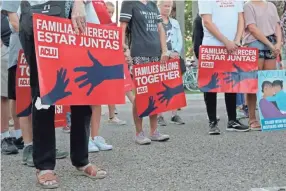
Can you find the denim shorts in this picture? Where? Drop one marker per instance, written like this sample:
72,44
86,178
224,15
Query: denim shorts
264,51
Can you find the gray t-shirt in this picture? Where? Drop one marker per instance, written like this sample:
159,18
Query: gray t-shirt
143,20
168,31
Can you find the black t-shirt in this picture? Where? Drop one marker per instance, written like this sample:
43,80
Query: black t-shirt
168,31
143,20
198,34
5,30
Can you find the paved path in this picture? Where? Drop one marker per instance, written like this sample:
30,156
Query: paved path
191,161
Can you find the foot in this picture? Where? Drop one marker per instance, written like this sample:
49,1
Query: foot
92,147
141,139
8,147
101,144
161,121
47,179
67,129
176,119
19,143
214,130
236,126
159,137
28,156
116,121
61,154
254,125
115,111
91,171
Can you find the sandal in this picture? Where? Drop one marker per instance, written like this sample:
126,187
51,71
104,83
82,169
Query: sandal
91,171
254,125
47,179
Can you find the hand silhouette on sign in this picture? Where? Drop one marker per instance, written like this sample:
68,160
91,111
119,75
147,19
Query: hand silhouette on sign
59,91
169,93
239,75
26,112
213,83
97,73
151,107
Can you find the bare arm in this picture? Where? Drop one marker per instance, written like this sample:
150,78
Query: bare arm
278,34
162,38
259,35
240,28
14,20
123,26
207,21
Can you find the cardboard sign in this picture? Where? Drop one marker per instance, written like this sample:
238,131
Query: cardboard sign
159,87
230,73
86,69
23,94
271,98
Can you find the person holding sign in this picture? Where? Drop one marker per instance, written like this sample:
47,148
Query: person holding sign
262,31
219,31
148,44
174,45
44,151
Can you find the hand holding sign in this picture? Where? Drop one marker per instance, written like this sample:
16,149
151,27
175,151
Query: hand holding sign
213,84
151,107
169,93
97,73
58,92
239,75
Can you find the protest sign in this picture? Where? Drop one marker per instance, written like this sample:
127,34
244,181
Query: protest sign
128,85
23,94
85,69
159,87
230,73
271,98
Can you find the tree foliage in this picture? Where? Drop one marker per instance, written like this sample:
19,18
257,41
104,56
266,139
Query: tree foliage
188,28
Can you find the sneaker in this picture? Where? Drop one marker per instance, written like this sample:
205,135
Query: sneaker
159,137
28,156
66,129
116,121
177,120
19,143
161,121
240,114
61,154
142,140
8,147
236,126
92,147
11,123
101,144
214,130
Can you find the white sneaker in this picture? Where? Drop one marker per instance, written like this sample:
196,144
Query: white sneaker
101,144
116,121
92,147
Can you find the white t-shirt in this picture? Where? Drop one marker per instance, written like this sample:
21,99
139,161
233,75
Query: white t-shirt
224,16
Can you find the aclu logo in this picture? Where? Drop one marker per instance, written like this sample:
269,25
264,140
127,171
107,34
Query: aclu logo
142,90
48,52
207,65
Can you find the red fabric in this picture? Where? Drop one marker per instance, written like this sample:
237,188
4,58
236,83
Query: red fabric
101,11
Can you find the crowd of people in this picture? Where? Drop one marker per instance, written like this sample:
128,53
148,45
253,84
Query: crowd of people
150,34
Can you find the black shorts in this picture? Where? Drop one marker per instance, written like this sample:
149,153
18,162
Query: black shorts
12,82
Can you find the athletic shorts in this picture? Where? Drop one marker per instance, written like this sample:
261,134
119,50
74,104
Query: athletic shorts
4,70
12,82
264,51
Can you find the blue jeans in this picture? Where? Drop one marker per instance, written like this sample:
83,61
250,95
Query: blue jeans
239,99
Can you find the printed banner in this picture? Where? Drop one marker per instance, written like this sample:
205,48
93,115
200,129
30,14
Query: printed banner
128,85
86,69
271,98
159,87
23,94
230,73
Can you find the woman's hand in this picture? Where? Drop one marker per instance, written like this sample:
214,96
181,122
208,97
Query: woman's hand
78,17
128,57
164,57
277,48
174,55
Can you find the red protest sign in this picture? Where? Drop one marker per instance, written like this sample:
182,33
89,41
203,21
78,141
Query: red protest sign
23,94
159,87
128,83
223,72
84,69
23,90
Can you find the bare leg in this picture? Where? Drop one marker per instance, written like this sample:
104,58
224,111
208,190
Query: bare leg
26,127
14,114
153,123
95,120
111,109
137,120
174,112
269,65
130,96
4,114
